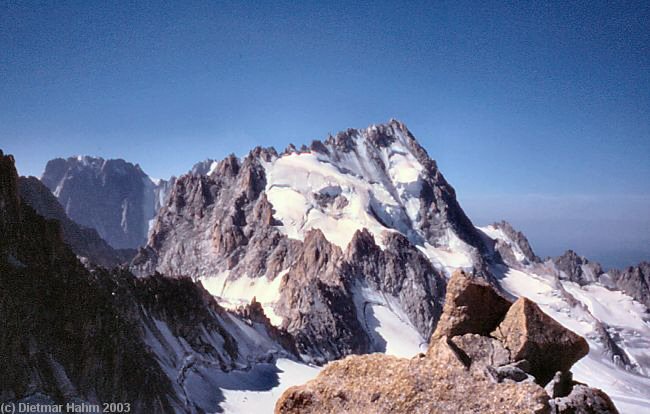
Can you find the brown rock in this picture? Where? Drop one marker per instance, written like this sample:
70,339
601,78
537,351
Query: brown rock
471,306
481,350
584,400
440,383
528,333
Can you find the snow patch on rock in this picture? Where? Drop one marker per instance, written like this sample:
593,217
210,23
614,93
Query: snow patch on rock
232,293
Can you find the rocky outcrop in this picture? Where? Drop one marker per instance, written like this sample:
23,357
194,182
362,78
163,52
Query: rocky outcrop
440,383
577,269
9,201
530,334
205,167
471,306
502,373
634,281
401,271
114,197
513,247
318,305
93,336
519,239
212,224
583,400
85,242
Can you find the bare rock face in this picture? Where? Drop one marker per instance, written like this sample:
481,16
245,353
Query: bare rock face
9,200
482,351
471,306
114,197
634,281
577,268
519,239
399,270
84,241
530,334
318,305
439,383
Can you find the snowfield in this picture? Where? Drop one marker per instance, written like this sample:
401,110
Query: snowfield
581,309
378,188
232,293
240,400
342,192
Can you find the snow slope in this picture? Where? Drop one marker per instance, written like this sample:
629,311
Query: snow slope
387,324
245,401
582,309
241,291
378,188
370,187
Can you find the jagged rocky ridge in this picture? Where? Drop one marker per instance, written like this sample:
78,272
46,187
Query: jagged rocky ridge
331,242
514,249
225,230
475,363
70,334
113,196
341,241
633,280
610,333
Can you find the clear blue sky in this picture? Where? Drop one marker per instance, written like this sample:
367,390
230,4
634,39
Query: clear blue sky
529,109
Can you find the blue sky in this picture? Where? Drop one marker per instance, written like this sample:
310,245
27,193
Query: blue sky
536,113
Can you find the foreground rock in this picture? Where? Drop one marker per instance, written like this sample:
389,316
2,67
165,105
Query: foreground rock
471,306
382,384
466,370
583,400
530,334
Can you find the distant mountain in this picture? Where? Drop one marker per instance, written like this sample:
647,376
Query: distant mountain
114,197
632,280
204,167
154,344
259,270
327,238
85,242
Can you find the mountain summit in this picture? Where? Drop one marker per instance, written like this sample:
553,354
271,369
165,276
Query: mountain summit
347,244
258,271
114,197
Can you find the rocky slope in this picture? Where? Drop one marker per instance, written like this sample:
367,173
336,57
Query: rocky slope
633,280
502,362
84,242
114,197
70,334
330,239
343,247
347,244
579,294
